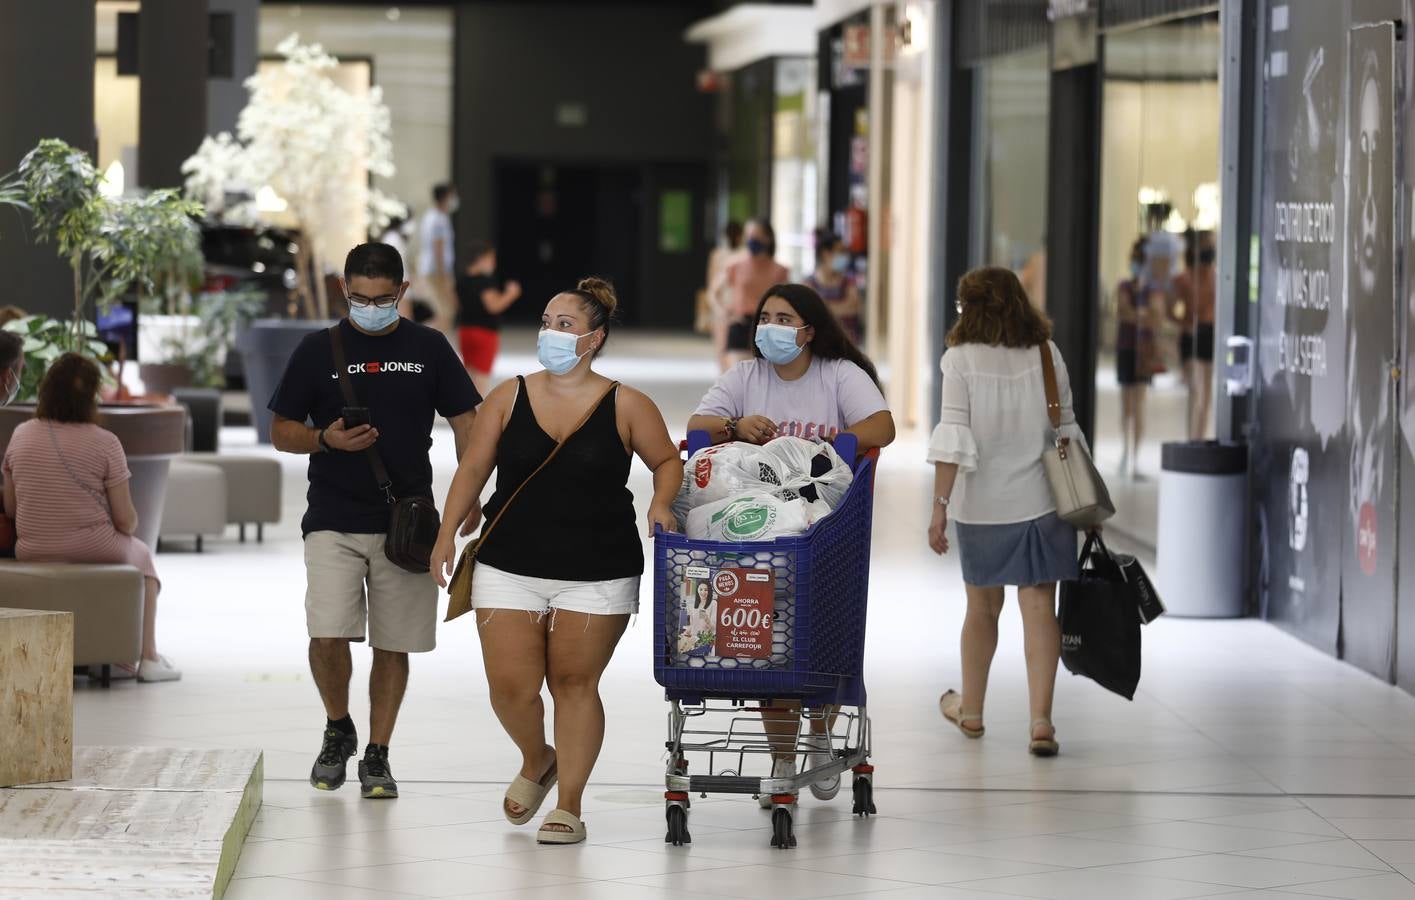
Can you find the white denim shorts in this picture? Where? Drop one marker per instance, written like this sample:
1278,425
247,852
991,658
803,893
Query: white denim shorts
493,588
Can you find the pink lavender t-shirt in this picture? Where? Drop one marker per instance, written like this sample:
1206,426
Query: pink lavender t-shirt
833,395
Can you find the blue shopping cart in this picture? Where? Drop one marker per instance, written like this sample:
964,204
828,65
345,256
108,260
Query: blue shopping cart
734,713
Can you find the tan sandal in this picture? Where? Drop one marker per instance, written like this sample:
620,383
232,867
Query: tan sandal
951,705
576,834
529,795
1044,747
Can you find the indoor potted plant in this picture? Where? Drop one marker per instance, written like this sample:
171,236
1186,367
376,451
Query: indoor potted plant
301,157
113,246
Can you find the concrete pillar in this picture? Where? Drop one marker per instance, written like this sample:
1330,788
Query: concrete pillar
46,90
226,97
172,63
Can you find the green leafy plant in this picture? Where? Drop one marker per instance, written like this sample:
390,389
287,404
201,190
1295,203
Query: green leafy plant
46,340
201,346
12,193
149,245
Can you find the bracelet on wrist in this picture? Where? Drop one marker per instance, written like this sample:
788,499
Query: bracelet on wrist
732,427
323,444
942,501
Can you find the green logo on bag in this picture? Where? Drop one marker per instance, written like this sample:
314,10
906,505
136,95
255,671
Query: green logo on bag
744,520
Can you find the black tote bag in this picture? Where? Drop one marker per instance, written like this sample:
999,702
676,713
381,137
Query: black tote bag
1100,622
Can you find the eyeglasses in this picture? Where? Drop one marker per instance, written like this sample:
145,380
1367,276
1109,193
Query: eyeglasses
360,301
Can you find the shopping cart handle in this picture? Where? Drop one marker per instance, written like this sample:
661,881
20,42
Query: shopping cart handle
697,440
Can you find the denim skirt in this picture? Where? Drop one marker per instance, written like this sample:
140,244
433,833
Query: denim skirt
1019,554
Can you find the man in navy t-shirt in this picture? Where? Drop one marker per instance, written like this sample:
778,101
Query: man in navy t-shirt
404,374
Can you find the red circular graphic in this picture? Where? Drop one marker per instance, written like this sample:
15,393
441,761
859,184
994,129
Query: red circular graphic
1367,539
725,584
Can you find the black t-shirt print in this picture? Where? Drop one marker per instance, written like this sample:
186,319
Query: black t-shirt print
471,311
405,378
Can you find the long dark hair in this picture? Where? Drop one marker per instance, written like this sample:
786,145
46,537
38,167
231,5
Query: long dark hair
830,341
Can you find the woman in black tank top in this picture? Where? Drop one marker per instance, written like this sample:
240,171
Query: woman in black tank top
565,551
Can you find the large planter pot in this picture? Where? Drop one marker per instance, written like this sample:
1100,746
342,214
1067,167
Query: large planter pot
151,436
164,378
265,348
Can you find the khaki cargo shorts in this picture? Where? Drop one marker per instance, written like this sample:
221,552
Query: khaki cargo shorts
399,607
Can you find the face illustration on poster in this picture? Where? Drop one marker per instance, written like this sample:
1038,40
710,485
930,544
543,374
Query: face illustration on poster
1370,206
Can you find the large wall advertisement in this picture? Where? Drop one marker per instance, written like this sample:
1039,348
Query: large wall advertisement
1324,455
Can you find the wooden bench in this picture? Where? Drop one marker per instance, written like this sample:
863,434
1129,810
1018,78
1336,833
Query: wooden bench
36,696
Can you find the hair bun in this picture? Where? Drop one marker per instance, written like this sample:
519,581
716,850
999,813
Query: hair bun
602,291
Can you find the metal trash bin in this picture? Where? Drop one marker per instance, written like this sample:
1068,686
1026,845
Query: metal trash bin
1201,543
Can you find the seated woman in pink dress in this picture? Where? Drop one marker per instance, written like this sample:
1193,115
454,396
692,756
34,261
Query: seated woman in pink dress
66,487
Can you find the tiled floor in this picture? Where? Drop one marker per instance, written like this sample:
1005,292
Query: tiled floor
1249,765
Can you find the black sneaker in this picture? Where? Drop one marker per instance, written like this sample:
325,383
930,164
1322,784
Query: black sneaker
376,775
330,769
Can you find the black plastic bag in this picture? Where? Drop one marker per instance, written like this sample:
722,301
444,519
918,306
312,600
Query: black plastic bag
1100,622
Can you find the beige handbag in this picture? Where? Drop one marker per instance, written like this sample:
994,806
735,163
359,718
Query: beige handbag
1082,500
459,589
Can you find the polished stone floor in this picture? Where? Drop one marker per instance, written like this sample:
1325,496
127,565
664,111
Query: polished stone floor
1249,765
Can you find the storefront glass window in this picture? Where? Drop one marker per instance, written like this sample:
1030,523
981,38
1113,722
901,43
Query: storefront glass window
1010,166
1158,257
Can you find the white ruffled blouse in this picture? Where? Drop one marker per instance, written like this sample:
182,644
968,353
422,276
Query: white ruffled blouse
994,425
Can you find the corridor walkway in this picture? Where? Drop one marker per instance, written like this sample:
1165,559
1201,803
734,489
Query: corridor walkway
1249,765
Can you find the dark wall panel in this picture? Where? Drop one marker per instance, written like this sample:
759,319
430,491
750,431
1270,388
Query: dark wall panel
521,66
46,90
172,63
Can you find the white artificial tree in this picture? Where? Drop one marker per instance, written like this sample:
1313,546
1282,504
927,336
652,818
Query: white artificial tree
313,144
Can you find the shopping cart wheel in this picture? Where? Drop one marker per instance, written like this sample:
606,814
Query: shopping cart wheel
677,826
863,795
782,837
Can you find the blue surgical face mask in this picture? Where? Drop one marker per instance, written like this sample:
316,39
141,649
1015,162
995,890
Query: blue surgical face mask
756,247
840,263
556,350
373,318
778,343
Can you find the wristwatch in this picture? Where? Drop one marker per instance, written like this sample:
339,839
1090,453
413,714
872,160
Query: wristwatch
942,501
323,444
732,427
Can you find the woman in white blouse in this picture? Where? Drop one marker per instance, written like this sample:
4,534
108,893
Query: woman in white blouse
988,477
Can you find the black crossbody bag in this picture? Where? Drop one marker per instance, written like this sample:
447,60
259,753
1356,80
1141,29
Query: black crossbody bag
413,522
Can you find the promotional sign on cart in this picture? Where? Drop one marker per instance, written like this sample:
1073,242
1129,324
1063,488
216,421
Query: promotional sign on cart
744,612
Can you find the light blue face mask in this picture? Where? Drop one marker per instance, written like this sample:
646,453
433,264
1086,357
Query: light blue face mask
778,343
840,263
556,350
373,318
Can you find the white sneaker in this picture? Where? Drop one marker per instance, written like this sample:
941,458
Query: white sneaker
160,669
781,768
826,788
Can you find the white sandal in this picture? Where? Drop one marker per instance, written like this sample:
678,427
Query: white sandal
529,795
576,834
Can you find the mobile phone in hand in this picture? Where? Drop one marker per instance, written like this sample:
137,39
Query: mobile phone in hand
354,416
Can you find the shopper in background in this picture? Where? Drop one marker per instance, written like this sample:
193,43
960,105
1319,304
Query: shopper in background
66,488
396,235
482,298
437,253
987,456
1135,355
1196,290
716,301
835,284
403,375
745,280
558,578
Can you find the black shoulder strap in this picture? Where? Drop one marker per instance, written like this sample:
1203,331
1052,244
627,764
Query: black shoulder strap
346,385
